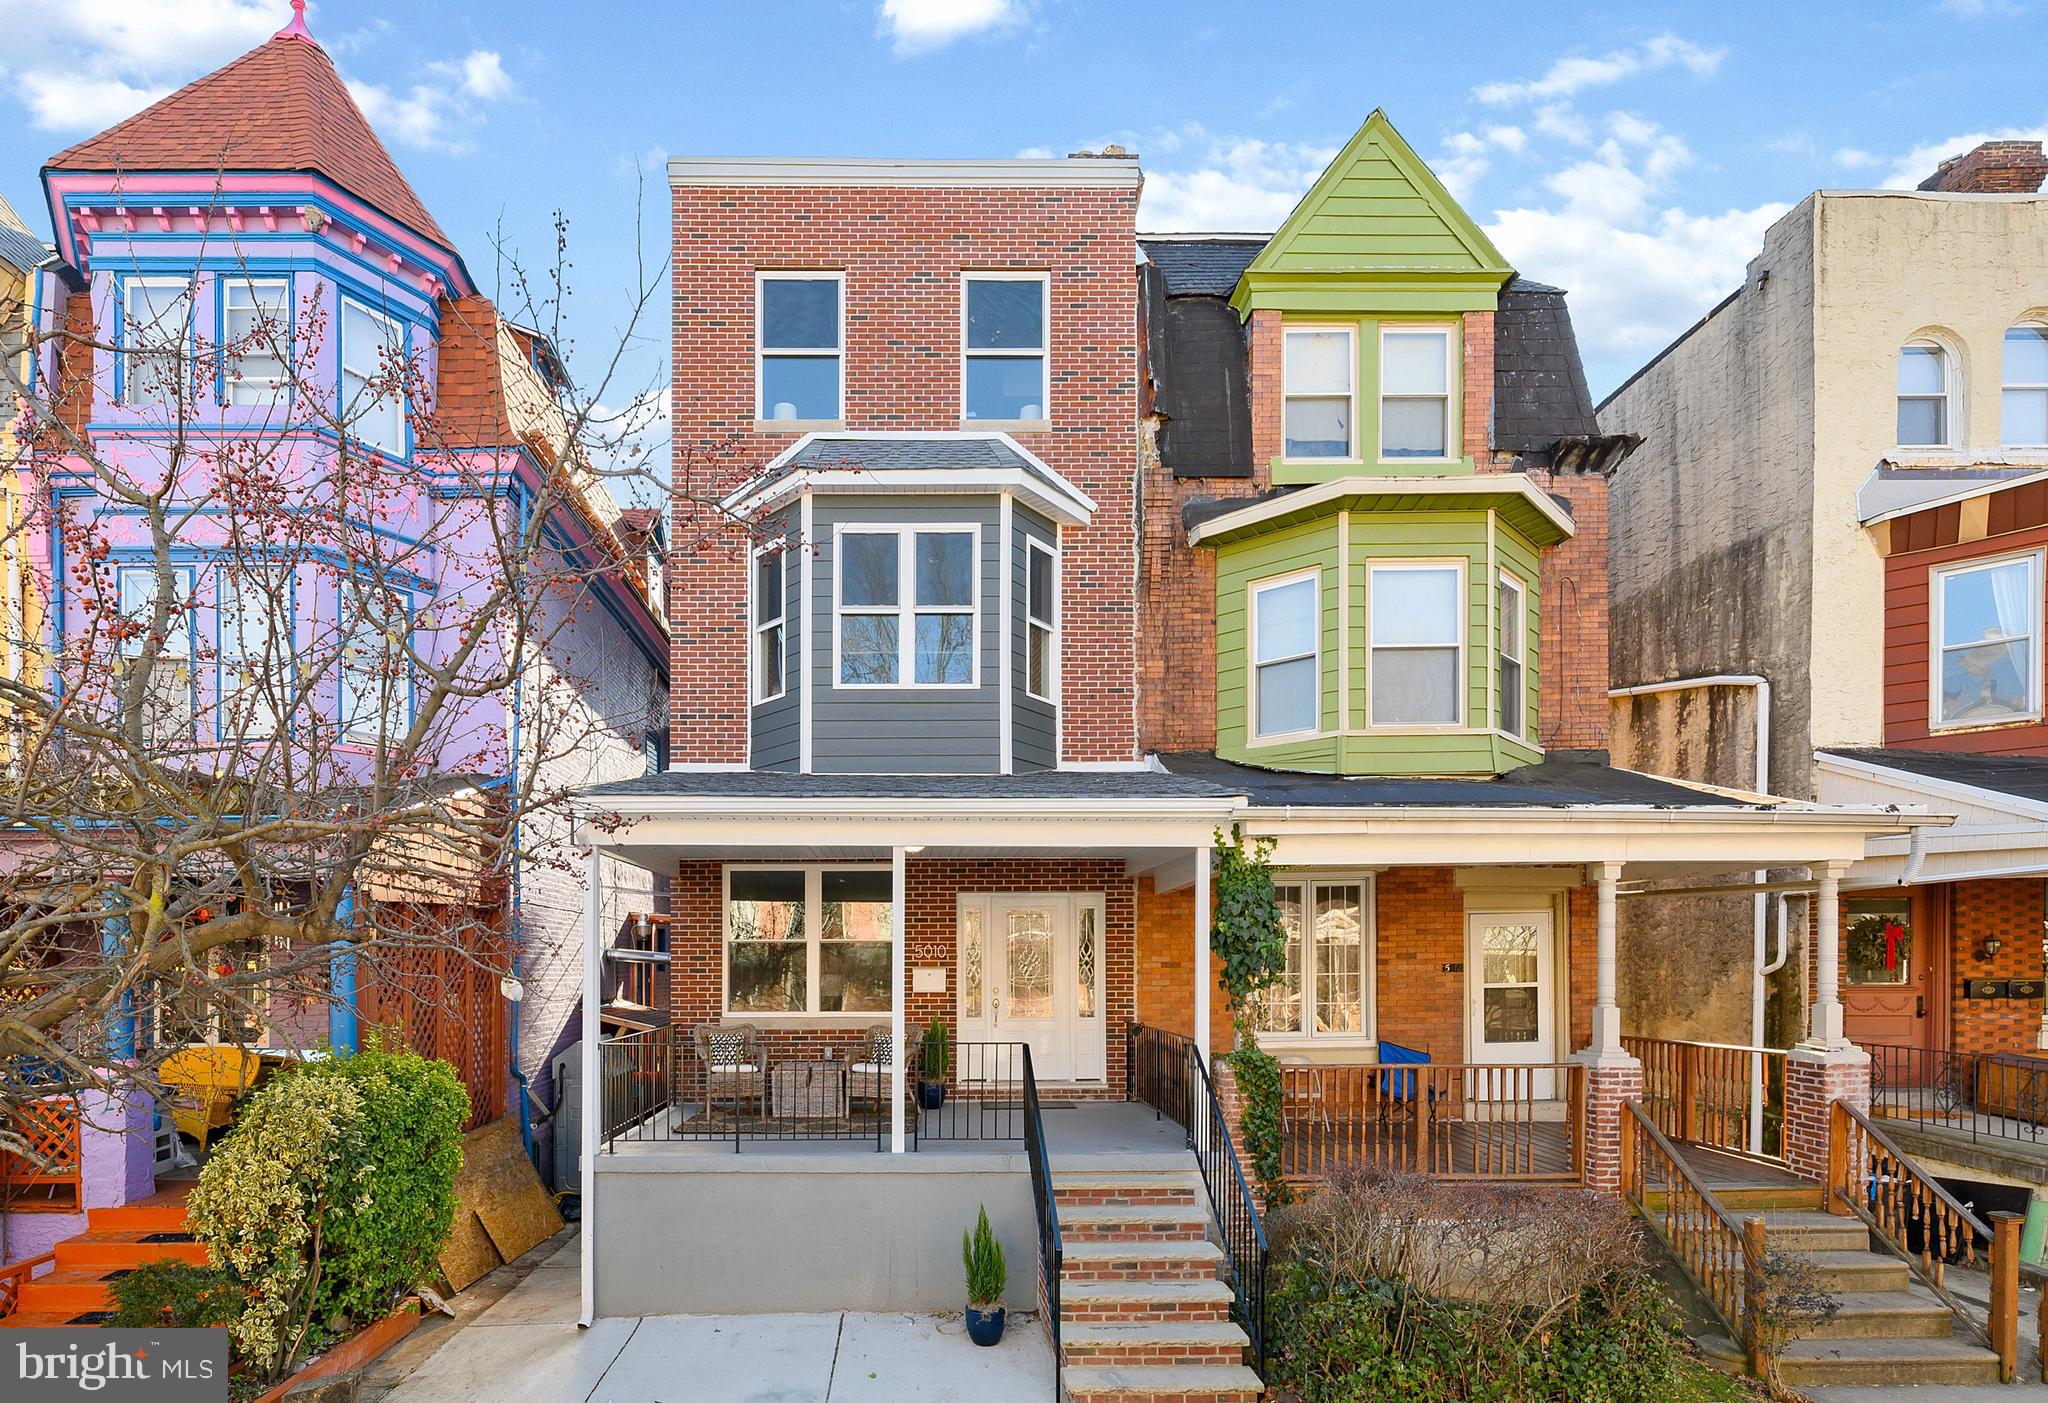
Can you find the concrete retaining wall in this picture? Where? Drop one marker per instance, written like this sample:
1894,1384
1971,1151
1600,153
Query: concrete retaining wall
762,1232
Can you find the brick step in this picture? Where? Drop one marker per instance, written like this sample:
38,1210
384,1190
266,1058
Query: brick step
1110,1190
1887,1315
1142,1302
1818,1363
127,1247
1155,1342
1150,1222
1152,1383
1804,1231
1860,1271
1128,1261
69,1289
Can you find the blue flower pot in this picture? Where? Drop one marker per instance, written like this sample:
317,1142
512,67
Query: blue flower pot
931,1094
984,1327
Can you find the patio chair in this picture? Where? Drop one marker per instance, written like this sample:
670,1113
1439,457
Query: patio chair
1399,1085
204,1082
734,1068
1303,1096
867,1077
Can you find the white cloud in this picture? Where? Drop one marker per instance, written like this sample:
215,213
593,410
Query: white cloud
484,76
1238,184
1560,121
1572,75
84,67
1465,158
1854,158
920,26
439,113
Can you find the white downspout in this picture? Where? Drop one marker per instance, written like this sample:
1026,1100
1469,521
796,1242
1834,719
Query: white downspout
593,1100
1760,908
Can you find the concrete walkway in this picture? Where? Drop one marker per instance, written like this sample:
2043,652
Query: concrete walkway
527,1346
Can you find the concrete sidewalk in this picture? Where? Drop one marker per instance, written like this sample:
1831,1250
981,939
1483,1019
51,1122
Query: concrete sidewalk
527,1348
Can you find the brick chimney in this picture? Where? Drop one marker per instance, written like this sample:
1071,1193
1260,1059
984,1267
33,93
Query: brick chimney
1994,168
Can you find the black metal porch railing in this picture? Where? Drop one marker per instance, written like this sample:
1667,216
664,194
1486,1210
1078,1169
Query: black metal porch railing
636,1086
1051,1255
1166,1072
984,1097
2000,1096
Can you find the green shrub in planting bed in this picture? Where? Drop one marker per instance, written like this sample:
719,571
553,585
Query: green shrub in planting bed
1397,1286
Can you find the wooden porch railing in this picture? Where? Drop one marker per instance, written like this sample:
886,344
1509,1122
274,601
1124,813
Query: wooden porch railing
1451,1120
1870,1177
43,1178
1718,1094
1723,1256
15,1274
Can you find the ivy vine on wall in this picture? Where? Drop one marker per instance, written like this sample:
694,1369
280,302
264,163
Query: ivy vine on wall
1247,938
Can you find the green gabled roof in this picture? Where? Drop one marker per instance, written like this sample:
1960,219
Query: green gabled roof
1376,216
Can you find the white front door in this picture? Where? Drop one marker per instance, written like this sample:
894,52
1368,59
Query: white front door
1511,987
1031,972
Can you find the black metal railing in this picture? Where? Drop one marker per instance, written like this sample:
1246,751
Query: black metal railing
635,1077
983,1096
1167,1072
1986,1095
1051,1255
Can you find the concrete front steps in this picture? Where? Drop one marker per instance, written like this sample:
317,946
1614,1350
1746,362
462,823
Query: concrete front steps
1888,1328
1144,1306
115,1241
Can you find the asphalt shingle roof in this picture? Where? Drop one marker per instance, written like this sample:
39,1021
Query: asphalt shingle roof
1033,784
1202,267
2021,776
933,453
1563,779
21,249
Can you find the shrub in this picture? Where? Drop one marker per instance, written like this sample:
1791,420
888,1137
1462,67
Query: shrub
983,1257
331,1196
172,1294
1398,1286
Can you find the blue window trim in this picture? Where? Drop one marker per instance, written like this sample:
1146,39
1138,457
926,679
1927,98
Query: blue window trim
193,281
291,588
407,597
220,330
405,329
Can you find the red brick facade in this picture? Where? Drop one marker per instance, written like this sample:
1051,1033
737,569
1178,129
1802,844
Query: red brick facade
902,251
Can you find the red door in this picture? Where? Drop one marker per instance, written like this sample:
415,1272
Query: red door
1887,957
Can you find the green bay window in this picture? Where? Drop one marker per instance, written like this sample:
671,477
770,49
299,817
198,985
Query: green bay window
808,940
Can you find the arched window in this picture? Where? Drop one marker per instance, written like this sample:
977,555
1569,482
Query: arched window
1924,376
2025,419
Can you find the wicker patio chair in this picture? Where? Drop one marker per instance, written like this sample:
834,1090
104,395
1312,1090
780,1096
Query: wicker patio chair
867,1077
734,1067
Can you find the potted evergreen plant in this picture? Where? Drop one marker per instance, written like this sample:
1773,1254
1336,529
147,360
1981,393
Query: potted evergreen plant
934,1065
986,1278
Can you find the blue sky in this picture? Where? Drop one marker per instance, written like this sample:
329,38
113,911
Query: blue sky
1633,153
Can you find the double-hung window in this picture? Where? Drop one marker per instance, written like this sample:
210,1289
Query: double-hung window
1005,368
808,940
799,331
1286,663
1512,680
1322,992
1415,392
2025,418
256,327
376,664
769,618
373,367
255,663
1317,384
1924,374
167,691
1041,620
1988,642
907,605
1418,644
156,340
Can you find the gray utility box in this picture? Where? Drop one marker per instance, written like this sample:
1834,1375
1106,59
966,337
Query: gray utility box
568,1067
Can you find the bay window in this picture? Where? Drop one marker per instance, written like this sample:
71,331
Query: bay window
167,692
256,327
808,940
375,672
769,624
1323,992
156,340
255,659
1317,387
1417,644
907,605
1512,679
373,365
1041,588
1987,632
1286,661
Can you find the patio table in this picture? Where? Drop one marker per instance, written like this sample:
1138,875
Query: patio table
808,1090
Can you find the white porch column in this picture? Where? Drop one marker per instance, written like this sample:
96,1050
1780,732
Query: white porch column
901,910
1606,1044
1824,1020
1202,980
593,1099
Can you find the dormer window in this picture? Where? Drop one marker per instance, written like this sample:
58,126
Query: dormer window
1415,392
1320,410
372,386
907,606
1924,375
800,325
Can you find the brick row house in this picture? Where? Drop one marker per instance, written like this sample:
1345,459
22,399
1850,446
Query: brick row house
1016,556
1849,456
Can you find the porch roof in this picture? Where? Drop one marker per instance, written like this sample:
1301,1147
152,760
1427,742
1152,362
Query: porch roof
1999,805
1563,779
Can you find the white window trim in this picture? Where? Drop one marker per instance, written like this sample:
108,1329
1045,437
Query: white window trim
1349,331
1372,646
1510,581
1368,938
1051,627
1950,396
399,334
181,290
2005,385
1452,439
226,661
187,583
1937,596
280,384
354,616
814,941
762,352
1043,352
759,626
1253,662
906,608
